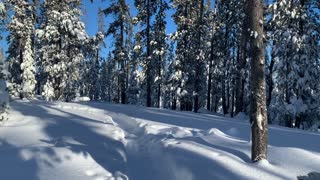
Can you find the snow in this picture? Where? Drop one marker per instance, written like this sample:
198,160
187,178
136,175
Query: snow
88,140
82,99
2,8
4,100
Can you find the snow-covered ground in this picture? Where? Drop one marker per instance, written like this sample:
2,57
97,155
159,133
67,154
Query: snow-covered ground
99,141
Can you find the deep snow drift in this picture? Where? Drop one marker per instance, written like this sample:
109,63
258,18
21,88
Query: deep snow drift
104,141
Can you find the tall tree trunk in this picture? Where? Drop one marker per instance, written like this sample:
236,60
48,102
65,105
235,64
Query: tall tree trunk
122,73
160,64
21,49
242,63
298,118
232,102
224,75
270,80
198,61
210,76
258,114
228,91
159,83
148,72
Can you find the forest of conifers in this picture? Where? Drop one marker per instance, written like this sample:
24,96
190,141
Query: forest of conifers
205,64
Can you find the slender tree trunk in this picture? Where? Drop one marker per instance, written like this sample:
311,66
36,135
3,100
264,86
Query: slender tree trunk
232,102
258,114
198,61
210,77
216,104
148,72
299,117
224,75
21,49
241,63
159,83
174,102
160,64
122,69
270,81
228,92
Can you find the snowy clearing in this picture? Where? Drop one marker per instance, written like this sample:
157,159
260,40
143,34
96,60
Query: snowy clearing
103,141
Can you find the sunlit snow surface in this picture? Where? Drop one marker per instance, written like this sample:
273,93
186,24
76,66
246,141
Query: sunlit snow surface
98,141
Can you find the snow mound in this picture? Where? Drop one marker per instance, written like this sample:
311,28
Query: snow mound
233,131
82,99
204,111
176,132
242,116
214,131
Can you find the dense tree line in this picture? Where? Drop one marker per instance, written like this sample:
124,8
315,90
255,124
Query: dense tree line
229,57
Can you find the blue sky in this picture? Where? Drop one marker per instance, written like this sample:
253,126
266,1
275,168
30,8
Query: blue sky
92,11
90,18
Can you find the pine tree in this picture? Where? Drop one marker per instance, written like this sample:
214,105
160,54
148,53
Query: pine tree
146,9
241,64
21,58
104,83
294,38
62,38
119,29
159,47
171,80
227,41
212,27
134,91
4,96
258,114
185,17
90,68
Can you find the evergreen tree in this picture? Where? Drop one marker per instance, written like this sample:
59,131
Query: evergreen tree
295,36
20,52
4,96
134,91
90,68
185,17
146,9
62,38
103,81
159,47
242,61
119,29
230,21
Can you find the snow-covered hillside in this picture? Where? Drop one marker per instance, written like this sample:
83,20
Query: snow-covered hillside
103,141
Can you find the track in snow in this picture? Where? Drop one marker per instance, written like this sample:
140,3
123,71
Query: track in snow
103,141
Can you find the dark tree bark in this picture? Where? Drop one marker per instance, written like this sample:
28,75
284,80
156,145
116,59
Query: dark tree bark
21,61
270,80
122,76
160,64
210,77
198,61
240,79
148,71
159,83
224,73
299,117
258,114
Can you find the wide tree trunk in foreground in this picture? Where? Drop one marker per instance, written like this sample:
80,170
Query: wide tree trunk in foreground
258,114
